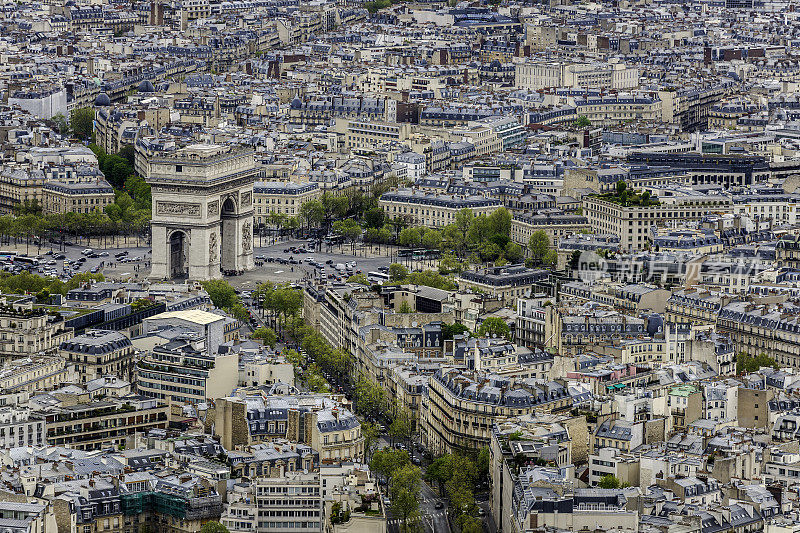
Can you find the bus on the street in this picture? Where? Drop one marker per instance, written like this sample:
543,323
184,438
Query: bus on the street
377,277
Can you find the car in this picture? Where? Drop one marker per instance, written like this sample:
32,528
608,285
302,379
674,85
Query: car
387,502
95,270
286,250
103,254
329,262
86,251
439,505
59,257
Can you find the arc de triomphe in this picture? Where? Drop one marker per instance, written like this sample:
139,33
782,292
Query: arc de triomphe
202,220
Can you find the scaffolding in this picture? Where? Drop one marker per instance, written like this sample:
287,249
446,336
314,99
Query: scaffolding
167,504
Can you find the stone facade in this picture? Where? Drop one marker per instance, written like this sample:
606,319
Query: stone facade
202,212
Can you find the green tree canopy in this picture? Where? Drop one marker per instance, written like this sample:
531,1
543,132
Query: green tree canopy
451,330
374,218
609,481
397,272
221,293
212,526
405,486
746,363
81,122
494,327
267,335
539,245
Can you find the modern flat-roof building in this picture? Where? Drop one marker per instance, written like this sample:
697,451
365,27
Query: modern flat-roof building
181,372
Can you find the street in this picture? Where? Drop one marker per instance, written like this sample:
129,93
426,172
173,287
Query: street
135,266
434,520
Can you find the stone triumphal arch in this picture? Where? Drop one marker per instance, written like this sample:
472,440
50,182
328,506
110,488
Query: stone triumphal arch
202,221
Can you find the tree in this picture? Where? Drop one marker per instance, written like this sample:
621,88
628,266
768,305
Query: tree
470,524
374,218
405,308
28,207
79,279
440,471
490,251
432,239
405,494
386,461
349,229
238,311
128,153
482,463
313,212
212,526
401,427
451,330
221,293
539,244
449,263
267,335
550,259
397,272
459,487
431,278
370,433
746,364
609,481
499,223
60,123
513,252
81,122
314,380
361,279
494,327
369,398
409,237
583,122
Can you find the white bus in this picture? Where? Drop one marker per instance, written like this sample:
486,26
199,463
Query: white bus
377,277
